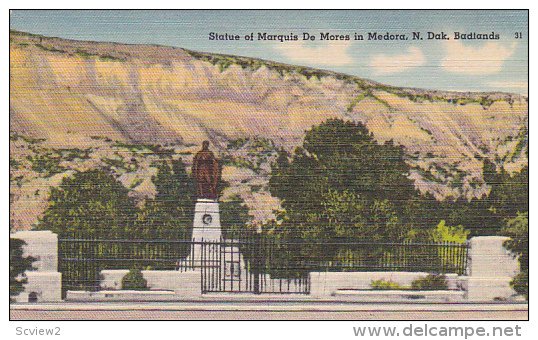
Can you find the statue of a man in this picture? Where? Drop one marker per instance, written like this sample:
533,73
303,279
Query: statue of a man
206,172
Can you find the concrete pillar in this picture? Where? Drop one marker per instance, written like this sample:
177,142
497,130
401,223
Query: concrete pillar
45,282
491,267
206,225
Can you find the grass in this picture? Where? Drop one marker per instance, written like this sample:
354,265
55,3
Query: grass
136,183
224,61
50,49
237,143
256,188
355,101
119,164
15,137
14,164
381,101
72,154
146,148
239,162
104,57
523,141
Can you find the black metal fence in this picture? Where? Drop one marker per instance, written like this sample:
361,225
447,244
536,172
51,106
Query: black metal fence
227,267
81,259
296,257
253,263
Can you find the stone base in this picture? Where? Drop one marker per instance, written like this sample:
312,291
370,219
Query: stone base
206,225
326,284
488,289
111,278
43,286
394,296
121,295
182,283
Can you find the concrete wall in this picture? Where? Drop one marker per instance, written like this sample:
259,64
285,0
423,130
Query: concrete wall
325,284
182,283
111,278
491,267
45,281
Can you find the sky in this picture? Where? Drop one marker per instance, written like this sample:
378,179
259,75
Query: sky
458,65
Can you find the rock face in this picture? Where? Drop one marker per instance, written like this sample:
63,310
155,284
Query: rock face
73,93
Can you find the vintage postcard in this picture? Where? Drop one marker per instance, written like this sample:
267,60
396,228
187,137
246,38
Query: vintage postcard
269,165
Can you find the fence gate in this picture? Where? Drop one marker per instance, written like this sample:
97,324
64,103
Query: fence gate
229,266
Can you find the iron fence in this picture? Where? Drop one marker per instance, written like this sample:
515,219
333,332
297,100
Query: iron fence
81,259
227,268
295,257
251,263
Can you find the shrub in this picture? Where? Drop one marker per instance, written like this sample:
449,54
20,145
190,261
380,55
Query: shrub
444,233
518,231
385,285
134,281
430,282
18,264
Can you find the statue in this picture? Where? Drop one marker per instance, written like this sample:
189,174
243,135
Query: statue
206,172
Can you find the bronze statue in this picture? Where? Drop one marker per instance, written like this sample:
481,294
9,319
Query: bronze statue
206,172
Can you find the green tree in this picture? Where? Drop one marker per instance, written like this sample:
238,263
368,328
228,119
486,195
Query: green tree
92,203
170,213
18,265
518,230
509,193
343,184
235,217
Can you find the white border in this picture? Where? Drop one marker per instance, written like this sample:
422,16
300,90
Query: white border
229,330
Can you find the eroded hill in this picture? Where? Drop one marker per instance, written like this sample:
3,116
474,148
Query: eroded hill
97,98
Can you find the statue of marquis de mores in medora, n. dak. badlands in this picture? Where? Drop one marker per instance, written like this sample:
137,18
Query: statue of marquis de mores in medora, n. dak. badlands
206,173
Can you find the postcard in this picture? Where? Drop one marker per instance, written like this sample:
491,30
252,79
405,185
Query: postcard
269,165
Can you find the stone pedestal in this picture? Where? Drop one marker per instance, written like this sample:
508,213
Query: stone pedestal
491,267
45,282
206,228
206,225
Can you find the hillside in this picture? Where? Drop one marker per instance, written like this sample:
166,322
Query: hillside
114,104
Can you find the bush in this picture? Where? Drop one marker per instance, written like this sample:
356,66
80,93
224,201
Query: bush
444,233
520,283
518,231
385,285
430,282
18,264
134,280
